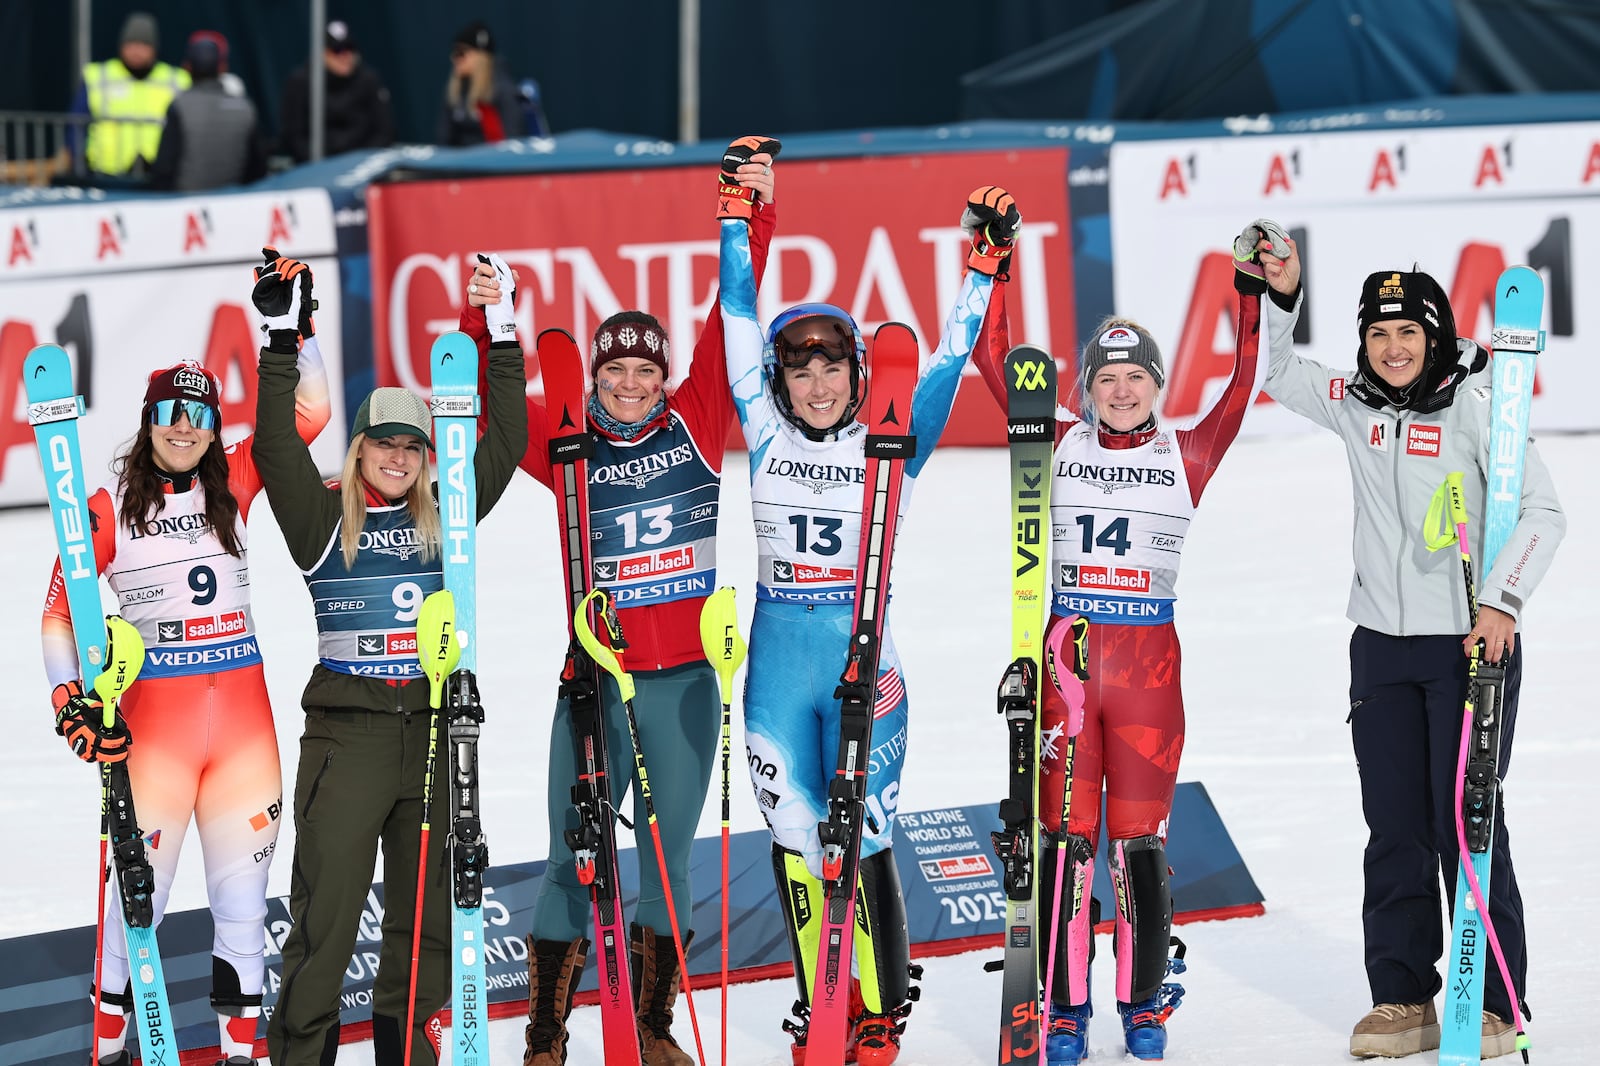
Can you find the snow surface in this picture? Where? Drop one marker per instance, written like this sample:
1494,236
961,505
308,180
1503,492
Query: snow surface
1262,619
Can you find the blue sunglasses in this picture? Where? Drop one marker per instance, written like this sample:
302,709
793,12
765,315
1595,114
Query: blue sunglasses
166,412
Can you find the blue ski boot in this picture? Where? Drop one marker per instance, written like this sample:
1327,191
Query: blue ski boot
1144,1024
1068,1039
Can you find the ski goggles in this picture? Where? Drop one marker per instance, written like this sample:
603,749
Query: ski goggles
201,415
805,339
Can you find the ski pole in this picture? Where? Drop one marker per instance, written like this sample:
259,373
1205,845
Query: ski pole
1449,503
439,649
725,650
124,660
1069,684
607,659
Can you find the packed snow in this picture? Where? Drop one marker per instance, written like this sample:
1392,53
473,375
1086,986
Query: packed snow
1262,619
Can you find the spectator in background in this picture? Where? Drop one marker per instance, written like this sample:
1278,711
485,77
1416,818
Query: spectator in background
211,138
481,105
356,112
126,99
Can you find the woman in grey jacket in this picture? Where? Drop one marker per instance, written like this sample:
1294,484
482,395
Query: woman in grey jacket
1416,407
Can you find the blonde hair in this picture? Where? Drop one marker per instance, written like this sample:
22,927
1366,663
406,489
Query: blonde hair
1086,409
480,88
419,501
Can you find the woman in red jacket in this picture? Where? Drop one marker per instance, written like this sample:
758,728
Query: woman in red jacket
678,436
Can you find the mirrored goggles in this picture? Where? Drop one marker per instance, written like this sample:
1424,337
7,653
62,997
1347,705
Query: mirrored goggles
166,412
805,339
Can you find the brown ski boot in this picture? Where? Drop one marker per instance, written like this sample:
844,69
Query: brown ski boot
655,984
554,969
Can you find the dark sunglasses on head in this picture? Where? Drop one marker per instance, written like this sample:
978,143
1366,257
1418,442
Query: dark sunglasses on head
166,412
805,339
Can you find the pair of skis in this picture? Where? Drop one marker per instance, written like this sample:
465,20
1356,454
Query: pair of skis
1030,380
1517,342
108,666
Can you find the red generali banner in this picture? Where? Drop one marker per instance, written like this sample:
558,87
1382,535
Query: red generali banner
880,237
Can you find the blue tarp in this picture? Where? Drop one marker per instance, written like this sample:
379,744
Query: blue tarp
950,877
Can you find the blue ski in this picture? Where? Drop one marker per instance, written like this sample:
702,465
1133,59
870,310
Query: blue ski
1517,342
455,408
53,410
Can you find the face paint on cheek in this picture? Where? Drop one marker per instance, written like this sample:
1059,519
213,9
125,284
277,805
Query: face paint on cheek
609,386
655,388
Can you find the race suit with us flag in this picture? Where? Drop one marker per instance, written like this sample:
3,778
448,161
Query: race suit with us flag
806,503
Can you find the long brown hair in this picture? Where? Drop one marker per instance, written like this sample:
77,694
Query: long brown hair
144,494
353,499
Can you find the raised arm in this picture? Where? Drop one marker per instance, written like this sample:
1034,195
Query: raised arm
505,437
703,400
991,220
305,509
742,172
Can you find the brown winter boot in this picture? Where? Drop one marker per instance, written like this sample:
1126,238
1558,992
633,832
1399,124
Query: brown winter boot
554,969
655,989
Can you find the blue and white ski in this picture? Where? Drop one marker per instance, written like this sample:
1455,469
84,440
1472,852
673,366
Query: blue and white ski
455,407
1517,342
53,410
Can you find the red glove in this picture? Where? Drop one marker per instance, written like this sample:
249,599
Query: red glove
80,718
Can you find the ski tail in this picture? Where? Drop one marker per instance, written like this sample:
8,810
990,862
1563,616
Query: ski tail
894,359
54,407
1517,341
593,840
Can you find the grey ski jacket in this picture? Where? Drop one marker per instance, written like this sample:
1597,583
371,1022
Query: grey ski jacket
1397,459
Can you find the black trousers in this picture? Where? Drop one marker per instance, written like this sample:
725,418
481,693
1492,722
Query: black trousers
1406,698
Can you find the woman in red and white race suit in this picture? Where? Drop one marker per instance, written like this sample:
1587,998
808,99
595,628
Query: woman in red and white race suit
1124,488
196,727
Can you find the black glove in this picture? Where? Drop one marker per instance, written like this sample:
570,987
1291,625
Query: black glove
735,200
991,208
1249,277
991,219
80,718
283,296
740,151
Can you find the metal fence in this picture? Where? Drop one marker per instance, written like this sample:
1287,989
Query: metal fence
46,147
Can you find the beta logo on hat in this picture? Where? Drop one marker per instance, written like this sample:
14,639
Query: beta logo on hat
393,412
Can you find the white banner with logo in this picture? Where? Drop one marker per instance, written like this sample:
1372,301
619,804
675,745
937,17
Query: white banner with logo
128,286
1460,203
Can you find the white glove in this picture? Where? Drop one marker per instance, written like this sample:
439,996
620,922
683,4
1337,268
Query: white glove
502,315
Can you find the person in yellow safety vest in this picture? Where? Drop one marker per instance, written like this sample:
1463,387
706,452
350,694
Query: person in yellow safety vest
128,98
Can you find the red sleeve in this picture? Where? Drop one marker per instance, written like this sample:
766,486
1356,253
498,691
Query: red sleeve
1203,445
705,401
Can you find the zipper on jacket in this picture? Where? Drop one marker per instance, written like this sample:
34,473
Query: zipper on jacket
1400,555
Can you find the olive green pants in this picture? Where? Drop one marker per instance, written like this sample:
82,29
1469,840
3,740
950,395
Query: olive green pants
359,782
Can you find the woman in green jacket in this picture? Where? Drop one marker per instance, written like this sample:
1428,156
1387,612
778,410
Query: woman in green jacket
368,547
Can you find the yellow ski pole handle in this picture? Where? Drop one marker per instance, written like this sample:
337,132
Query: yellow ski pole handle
124,660
1447,514
719,636
602,656
438,646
